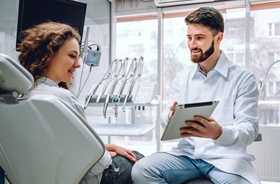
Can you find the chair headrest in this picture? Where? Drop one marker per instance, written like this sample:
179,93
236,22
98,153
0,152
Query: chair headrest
13,76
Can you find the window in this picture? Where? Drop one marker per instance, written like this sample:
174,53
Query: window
277,29
274,29
234,28
135,39
237,57
263,46
263,55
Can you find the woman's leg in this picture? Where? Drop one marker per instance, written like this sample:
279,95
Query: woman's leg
119,172
162,168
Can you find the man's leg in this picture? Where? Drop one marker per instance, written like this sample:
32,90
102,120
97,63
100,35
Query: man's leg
221,177
162,168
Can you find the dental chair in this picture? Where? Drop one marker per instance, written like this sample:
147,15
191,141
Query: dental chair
42,139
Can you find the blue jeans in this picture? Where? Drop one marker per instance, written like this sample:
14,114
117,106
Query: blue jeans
165,168
119,172
2,177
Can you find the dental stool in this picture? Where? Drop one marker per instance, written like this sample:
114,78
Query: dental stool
42,139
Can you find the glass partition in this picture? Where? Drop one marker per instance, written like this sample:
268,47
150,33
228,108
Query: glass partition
265,59
134,39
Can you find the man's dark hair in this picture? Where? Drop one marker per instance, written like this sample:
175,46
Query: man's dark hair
209,17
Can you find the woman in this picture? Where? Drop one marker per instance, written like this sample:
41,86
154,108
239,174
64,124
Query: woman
50,52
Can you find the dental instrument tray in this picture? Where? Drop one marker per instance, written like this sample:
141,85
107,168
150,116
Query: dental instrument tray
122,86
187,112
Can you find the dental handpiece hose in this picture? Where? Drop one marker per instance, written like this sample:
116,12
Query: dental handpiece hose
116,113
116,101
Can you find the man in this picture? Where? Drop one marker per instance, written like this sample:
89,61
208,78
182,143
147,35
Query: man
217,148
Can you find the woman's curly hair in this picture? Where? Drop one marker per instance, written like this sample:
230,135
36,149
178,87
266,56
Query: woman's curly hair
40,43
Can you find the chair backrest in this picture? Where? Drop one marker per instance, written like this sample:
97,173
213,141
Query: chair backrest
42,139
13,76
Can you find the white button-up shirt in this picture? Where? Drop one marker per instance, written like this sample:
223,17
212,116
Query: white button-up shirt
236,90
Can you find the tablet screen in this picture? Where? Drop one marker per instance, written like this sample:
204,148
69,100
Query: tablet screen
185,112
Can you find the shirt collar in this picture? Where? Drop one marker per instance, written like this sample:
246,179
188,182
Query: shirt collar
46,80
222,66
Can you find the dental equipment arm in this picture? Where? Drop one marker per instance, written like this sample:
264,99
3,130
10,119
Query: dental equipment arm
131,72
111,85
136,76
120,83
100,84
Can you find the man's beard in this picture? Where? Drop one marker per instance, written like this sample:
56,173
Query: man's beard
205,55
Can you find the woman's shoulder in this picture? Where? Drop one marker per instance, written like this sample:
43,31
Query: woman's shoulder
45,89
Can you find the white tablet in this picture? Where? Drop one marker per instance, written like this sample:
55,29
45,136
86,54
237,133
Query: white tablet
186,112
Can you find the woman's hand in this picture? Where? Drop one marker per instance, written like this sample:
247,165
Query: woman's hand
115,149
112,154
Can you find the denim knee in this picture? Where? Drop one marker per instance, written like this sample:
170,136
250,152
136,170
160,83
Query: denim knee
137,171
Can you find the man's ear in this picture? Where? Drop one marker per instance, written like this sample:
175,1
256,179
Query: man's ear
219,37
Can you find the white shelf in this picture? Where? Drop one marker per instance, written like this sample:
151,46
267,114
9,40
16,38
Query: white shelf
122,129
